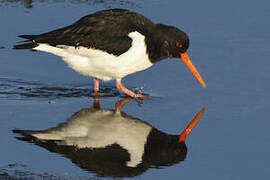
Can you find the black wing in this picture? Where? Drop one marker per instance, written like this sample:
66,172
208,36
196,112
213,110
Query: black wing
105,30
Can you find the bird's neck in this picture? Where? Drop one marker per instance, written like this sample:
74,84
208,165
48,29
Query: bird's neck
158,46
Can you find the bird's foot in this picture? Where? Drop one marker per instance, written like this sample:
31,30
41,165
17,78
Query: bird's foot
139,92
140,96
122,88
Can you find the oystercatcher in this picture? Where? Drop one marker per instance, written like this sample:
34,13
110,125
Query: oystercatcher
111,142
112,44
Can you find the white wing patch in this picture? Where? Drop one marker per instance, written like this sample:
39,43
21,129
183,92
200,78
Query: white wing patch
100,64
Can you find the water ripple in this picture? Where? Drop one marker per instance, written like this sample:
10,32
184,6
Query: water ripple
20,89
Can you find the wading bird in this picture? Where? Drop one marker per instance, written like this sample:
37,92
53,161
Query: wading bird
111,44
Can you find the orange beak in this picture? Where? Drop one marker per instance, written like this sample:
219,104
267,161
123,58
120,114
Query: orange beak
183,136
187,61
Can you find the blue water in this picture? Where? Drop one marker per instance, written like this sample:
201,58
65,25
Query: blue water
229,46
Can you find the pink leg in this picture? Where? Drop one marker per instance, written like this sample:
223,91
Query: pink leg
96,86
120,104
96,102
122,88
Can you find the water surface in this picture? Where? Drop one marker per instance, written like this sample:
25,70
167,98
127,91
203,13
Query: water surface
229,46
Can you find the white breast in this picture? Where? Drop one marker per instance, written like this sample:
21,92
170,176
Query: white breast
100,64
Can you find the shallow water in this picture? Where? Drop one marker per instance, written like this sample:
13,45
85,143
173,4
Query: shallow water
229,46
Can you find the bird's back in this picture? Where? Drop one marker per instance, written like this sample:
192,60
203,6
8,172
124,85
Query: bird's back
101,30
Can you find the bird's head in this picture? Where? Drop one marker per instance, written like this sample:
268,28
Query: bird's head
176,44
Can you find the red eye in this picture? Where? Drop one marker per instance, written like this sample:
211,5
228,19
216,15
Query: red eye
179,45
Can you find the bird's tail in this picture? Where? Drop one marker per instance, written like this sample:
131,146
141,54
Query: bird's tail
24,132
26,135
28,44
25,46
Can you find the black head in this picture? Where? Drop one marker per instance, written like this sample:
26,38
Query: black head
170,42
176,41
164,150
169,149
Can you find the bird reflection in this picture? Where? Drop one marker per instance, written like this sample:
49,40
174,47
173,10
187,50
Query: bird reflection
110,142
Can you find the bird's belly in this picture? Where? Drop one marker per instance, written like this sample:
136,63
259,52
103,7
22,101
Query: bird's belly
100,64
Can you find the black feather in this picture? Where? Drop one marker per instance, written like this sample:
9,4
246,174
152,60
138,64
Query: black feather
105,30
30,37
26,46
108,31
